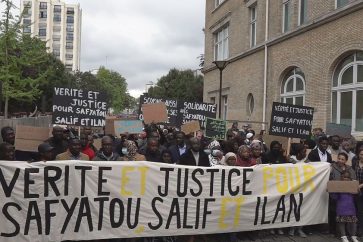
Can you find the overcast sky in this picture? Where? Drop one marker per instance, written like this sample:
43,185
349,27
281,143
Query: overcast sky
141,39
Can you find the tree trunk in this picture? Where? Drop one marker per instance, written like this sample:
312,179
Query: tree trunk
6,107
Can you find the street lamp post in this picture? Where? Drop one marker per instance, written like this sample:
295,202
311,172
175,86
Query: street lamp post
221,64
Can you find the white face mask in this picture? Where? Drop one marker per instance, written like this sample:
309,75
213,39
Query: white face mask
124,151
207,151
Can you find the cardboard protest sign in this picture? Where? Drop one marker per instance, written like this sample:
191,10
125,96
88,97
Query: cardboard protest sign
190,127
181,112
28,138
78,107
128,126
338,129
343,187
154,113
291,121
90,200
215,129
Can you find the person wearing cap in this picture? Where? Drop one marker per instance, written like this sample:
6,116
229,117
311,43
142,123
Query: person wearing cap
73,152
46,152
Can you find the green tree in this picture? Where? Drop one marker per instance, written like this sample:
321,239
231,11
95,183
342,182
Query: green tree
115,87
21,58
179,84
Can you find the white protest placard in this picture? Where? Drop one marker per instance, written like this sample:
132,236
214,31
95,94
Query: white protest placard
85,200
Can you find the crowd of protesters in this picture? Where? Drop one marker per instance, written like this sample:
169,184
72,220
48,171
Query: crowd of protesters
242,147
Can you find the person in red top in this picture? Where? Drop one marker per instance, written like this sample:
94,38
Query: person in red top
86,149
244,157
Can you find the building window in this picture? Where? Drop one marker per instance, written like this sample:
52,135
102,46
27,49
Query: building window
303,11
70,10
56,37
57,8
69,45
293,87
42,5
218,2
56,52
253,17
57,18
43,14
341,3
224,107
250,104
42,32
57,28
213,100
27,30
347,92
69,56
221,51
70,28
70,19
286,19
69,36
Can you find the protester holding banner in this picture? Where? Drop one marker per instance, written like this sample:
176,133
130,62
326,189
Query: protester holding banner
298,154
73,152
106,152
320,153
230,159
179,148
195,156
216,155
130,152
7,151
256,152
244,157
166,157
275,155
46,152
346,215
153,150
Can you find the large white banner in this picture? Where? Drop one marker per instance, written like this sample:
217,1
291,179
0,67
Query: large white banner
75,200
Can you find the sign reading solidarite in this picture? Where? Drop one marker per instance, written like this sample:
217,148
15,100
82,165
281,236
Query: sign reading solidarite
180,112
75,200
291,121
79,107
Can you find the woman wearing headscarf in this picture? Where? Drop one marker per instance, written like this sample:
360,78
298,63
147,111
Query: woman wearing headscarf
230,159
130,152
244,157
256,152
216,155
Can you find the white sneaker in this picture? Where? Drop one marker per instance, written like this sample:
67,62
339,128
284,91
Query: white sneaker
345,239
280,232
354,239
301,233
292,231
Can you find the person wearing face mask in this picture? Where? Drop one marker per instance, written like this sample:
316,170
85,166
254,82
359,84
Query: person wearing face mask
320,153
275,155
216,155
130,152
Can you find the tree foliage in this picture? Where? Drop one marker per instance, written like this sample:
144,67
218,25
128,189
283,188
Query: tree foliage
21,59
179,84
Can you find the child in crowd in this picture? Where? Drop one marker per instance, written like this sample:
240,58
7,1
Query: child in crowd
346,214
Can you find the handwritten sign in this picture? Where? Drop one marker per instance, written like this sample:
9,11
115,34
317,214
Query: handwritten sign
181,112
291,120
342,130
28,138
78,107
215,129
190,127
128,126
155,113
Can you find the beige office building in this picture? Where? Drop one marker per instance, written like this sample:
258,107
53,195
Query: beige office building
304,52
57,23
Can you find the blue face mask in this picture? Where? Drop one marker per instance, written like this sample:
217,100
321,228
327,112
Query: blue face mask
124,151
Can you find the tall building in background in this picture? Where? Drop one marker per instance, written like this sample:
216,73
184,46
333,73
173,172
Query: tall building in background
57,23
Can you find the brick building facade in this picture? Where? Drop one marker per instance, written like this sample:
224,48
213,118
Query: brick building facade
306,52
